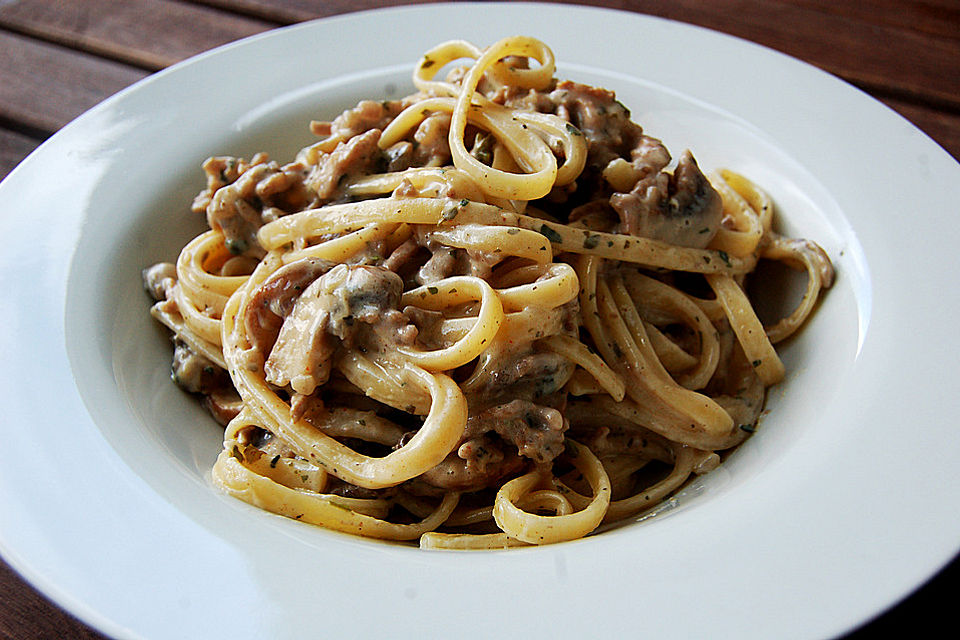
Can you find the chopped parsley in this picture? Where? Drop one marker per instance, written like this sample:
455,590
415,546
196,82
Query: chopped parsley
550,234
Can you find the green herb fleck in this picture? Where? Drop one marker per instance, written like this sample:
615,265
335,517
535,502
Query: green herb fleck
724,257
236,246
450,213
757,363
550,234
749,428
513,231
273,463
433,290
591,241
572,130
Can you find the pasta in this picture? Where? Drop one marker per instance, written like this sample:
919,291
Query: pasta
494,313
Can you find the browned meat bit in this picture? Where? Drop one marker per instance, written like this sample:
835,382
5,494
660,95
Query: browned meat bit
402,255
525,99
681,208
334,306
604,122
223,404
159,279
194,372
472,468
536,431
432,148
357,156
532,376
221,171
399,156
274,300
262,193
365,116
447,261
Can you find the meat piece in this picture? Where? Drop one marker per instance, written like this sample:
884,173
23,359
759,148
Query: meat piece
399,156
358,155
428,323
531,376
367,115
536,431
681,208
223,404
194,372
472,468
604,122
159,279
447,261
332,307
442,264
262,193
236,218
432,148
221,171
274,300
402,255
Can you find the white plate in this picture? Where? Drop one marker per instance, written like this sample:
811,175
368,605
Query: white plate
842,503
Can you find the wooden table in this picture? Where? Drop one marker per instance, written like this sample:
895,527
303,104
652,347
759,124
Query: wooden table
58,58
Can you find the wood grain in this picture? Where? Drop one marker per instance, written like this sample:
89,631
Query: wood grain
14,147
151,34
290,11
46,86
931,17
25,614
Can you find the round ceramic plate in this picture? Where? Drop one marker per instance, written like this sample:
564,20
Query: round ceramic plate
840,505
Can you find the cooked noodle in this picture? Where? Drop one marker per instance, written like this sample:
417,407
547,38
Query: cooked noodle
492,313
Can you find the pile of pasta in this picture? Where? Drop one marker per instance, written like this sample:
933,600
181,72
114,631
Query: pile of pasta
560,372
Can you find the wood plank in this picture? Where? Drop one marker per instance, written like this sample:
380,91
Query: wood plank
14,147
24,613
939,18
46,86
291,11
151,34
